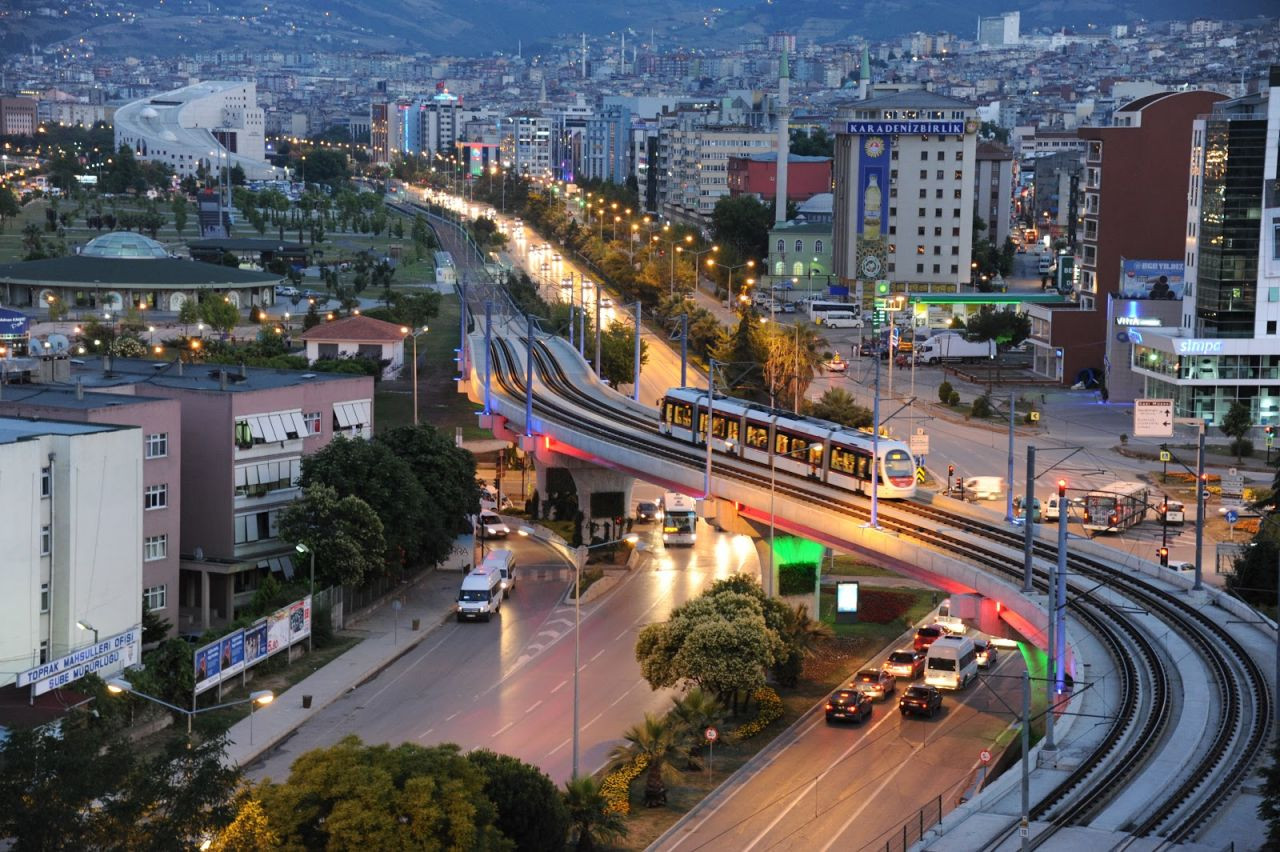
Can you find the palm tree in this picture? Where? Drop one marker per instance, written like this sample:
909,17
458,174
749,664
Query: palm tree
803,632
590,820
657,739
839,406
695,712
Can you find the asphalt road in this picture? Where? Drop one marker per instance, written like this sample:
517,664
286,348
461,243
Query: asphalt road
848,786
507,685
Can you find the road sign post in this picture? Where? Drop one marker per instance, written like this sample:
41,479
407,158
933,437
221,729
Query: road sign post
1153,418
984,756
711,734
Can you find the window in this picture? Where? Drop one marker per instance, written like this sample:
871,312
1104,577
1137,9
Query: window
939,174
924,174
1271,326
817,246
937,211
313,420
954,269
44,597
782,245
924,193
955,212
920,230
924,155
936,269
46,540
937,249
44,651
919,249
155,547
921,213
155,497
157,445
1273,294
960,175
155,597
46,481
919,268
937,232
799,246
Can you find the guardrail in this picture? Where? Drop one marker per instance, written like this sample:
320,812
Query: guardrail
912,830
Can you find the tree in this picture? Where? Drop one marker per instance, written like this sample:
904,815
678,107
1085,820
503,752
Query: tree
325,165
345,535
590,818
657,741
9,206
1236,424
840,406
351,796
188,314
530,809
817,143
123,174
792,356
248,832
446,472
696,711
618,354
220,314
801,633
1254,577
155,627
742,222
179,213
1007,328
371,471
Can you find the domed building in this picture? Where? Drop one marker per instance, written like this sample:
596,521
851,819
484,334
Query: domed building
123,269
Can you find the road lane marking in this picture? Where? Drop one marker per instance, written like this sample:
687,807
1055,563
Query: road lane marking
533,706
593,721
597,656
868,800
559,687
557,748
451,718
425,733
503,728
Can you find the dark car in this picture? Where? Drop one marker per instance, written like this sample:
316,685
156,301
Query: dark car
985,653
926,636
918,700
905,662
848,705
874,683
647,511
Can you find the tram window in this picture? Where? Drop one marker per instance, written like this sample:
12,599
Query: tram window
757,436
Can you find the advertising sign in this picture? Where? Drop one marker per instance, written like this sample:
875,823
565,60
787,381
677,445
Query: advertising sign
208,666
1151,279
12,323
232,654
300,620
924,128
278,631
80,656
873,204
255,644
847,602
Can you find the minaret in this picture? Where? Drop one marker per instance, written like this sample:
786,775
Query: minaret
784,139
584,56
622,56
864,74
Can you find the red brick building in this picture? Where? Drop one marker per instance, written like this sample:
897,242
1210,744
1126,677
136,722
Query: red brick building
757,175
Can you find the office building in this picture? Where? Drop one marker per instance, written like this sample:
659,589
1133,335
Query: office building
999,30
18,117
606,151
993,190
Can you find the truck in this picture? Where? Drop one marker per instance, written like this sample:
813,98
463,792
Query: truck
953,347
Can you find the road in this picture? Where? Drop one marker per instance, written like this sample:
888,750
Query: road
507,685
845,787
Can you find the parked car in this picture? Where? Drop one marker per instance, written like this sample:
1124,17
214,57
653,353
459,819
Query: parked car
836,364
647,511
985,652
905,662
874,683
920,700
848,705
492,526
927,635
286,290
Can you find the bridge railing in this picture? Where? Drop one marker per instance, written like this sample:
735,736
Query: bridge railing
911,831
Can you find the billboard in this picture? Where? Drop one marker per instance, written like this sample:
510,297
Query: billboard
1151,279
232,654
873,204
208,662
119,650
255,644
13,323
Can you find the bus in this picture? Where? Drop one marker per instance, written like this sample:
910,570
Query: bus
1116,507
679,519
818,310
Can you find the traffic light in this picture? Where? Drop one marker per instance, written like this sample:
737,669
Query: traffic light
951,471
882,288
1062,492
1163,553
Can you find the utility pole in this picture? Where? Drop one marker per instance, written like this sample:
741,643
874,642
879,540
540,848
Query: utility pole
635,389
1008,511
1028,530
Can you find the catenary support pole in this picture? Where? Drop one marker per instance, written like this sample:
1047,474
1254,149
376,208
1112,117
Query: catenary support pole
1028,531
684,350
875,451
528,378
635,389
488,364
1060,614
1200,519
1008,508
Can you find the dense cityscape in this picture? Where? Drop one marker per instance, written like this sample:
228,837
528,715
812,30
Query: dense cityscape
742,376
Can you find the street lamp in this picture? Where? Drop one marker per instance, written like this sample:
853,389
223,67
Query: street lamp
260,698
696,255
750,264
414,335
84,625
303,548
580,559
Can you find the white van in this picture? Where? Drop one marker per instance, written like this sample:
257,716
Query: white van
953,623
504,562
983,487
842,319
480,595
951,663
1051,509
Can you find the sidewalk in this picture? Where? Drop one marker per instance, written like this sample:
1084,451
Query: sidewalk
430,599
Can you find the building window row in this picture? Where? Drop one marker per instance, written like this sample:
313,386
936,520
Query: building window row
155,497
157,445
155,597
155,547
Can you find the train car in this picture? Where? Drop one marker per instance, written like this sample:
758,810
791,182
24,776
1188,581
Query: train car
806,446
1116,507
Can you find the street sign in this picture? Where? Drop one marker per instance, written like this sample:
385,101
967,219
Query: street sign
1232,486
711,734
919,444
984,756
1165,455
1153,418
1232,516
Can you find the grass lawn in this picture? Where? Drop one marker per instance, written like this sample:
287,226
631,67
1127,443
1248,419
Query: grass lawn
832,664
851,566
899,608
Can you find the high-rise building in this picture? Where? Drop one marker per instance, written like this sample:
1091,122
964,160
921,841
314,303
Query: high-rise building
1227,348
606,151
993,189
18,117
695,164
903,174
999,30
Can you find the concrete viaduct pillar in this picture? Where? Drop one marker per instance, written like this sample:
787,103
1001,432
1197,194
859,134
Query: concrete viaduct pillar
588,478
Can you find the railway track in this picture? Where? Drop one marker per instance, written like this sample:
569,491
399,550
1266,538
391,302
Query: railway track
1147,713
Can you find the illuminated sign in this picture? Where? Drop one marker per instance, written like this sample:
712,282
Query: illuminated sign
1142,321
847,596
933,128
1199,346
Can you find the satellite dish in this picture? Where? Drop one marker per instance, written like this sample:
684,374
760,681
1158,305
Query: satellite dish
58,343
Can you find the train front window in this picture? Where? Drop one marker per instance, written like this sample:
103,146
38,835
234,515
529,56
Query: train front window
898,463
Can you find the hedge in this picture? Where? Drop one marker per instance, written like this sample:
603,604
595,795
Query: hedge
617,785
770,711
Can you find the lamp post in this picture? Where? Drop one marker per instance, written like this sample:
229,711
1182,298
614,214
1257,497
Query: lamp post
413,333
580,559
750,264
260,698
696,255
303,548
84,625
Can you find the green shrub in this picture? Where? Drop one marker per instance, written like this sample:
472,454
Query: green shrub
981,407
770,711
796,578
945,390
954,399
1242,447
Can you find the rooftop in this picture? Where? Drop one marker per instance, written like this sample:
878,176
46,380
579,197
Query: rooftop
14,429
772,157
64,396
199,377
356,328
119,271
124,244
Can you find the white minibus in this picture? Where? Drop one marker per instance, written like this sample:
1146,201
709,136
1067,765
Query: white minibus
951,663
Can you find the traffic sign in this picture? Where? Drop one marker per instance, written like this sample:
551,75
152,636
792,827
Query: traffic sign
711,734
984,756
1232,516
1165,455
919,444
1153,418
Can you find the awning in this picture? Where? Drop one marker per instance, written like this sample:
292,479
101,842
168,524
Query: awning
352,414
278,565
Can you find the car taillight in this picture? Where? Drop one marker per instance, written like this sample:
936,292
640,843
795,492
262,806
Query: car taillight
830,706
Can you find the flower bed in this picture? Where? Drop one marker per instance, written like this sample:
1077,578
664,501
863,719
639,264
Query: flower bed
617,785
770,711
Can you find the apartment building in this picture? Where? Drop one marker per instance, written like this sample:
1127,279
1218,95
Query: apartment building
904,179
156,423
695,164
993,189
606,153
71,535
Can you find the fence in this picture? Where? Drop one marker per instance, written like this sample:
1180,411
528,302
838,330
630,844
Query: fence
911,831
